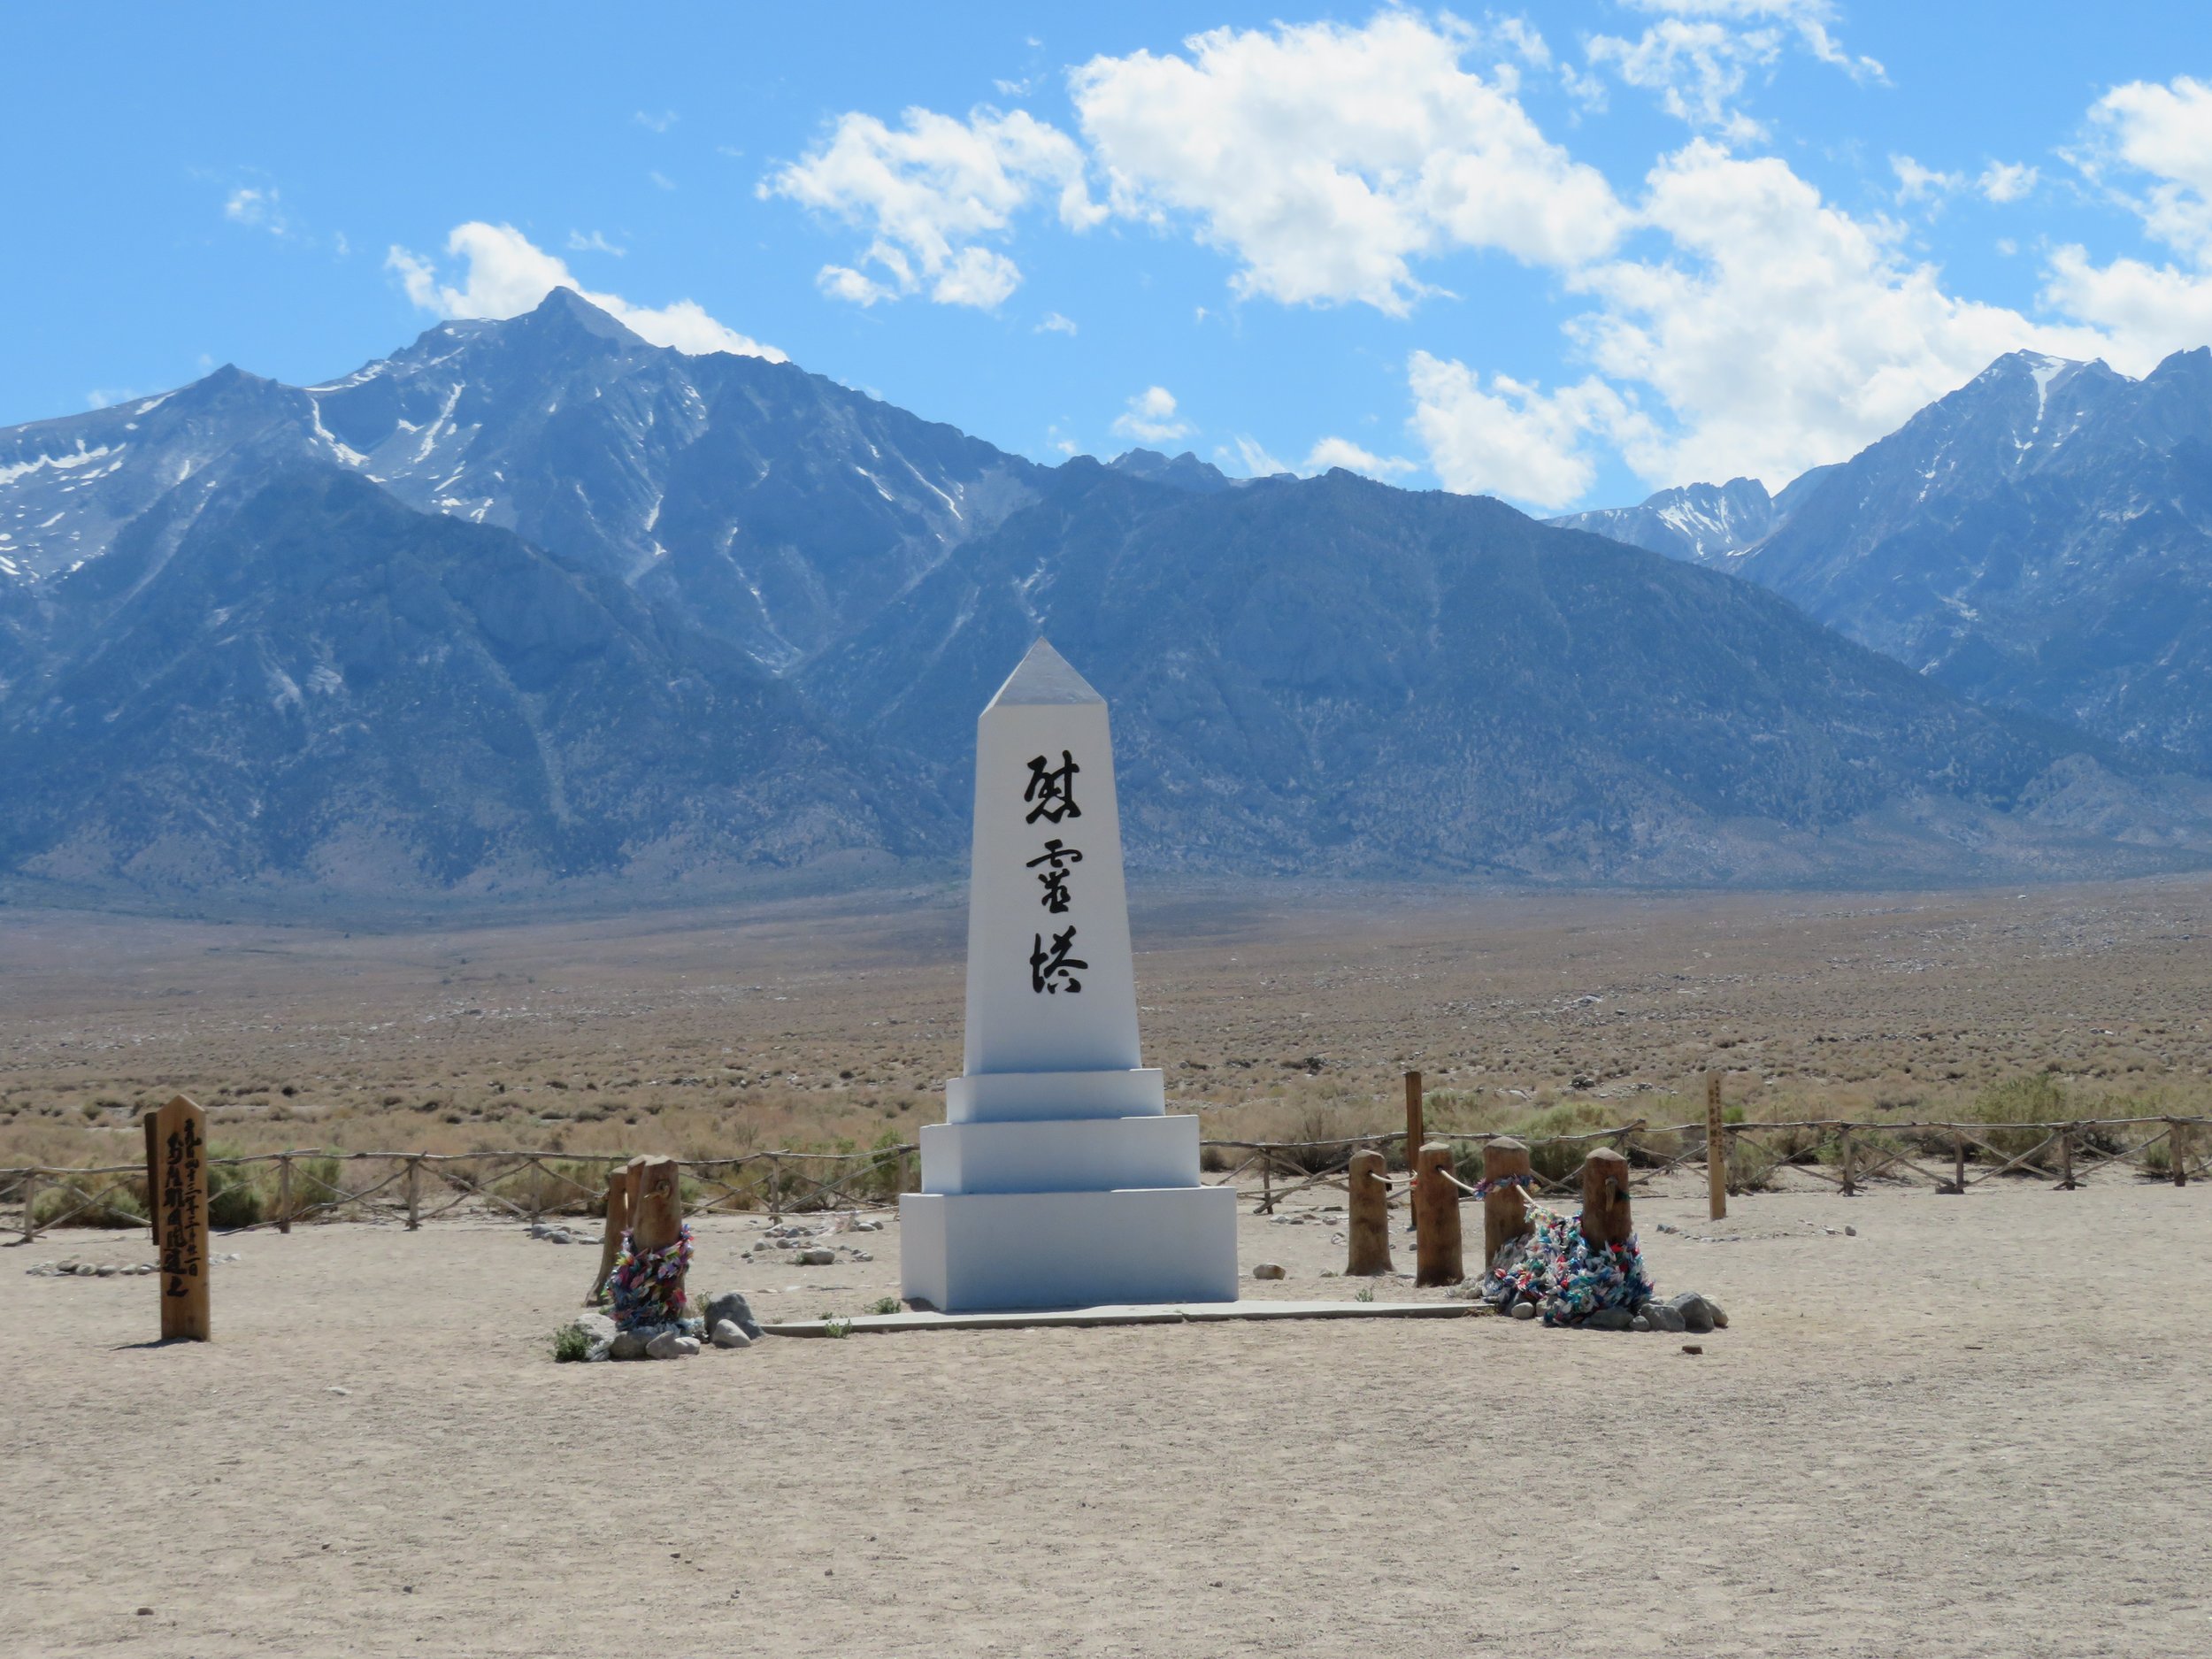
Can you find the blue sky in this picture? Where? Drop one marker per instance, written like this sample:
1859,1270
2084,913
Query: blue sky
1564,253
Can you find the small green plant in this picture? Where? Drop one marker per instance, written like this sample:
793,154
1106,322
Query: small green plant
1365,1292
887,1304
570,1343
837,1325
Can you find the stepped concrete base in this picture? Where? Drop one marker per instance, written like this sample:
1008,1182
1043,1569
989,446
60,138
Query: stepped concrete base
1171,1313
1071,1154
981,1252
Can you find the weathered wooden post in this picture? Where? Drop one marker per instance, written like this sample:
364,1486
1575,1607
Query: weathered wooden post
1715,1151
30,1207
181,1136
1436,1251
656,1212
153,1185
2178,1149
775,1187
2066,1182
1605,1214
1958,1161
1504,1200
1846,1157
414,1193
611,1235
284,1192
1369,1217
1267,1181
1416,1137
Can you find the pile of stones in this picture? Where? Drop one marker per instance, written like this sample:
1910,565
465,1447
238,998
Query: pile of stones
552,1235
74,1269
725,1320
801,1246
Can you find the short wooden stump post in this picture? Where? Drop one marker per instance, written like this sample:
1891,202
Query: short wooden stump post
2178,1149
618,1186
179,1200
657,1210
1605,1213
1436,1251
1369,1217
1504,1200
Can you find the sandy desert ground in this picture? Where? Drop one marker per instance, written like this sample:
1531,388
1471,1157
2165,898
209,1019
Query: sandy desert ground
1977,1427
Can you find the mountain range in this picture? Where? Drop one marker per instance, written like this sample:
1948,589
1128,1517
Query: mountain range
532,604
2040,540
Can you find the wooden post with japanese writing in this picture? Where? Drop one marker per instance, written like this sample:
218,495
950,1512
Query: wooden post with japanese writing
1505,1167
619,1186
180,1202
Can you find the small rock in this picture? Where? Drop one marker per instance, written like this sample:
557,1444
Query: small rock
1850,1232
1639,1323
1691,1347
1610,1319
626,1345
730,1305
1720,1314
145,1612
1697,1313
1269,1270
108,1269
727,1335
1523,1310
672,1345
815,1258
1659,1317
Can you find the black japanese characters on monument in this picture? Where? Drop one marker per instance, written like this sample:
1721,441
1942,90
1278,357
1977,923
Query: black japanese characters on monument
1051,796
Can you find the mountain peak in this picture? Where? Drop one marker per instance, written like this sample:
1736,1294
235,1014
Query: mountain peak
1182,472
566,306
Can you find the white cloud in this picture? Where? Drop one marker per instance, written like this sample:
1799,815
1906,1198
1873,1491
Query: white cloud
2166,132
1150,417
1916,183
259,208
930,192
1055,323
1328,159
2004,181
659,123
508,274
1510,439
579,243
1699,54
2163,132
1781,332
661,180
1343,452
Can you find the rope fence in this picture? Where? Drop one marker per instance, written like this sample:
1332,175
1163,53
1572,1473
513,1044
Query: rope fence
276,1189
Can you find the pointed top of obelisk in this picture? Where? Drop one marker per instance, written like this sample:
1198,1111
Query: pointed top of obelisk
1043,676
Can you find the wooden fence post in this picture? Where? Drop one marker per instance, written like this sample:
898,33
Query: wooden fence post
414,1193
153,1185
1437,1257
180,1133
2178,1149
1369,1216
2066,1182
30,1207
284,1192
1504,1201
1958,1161
1416,1137
1850,1185
1605,1213
1267,1181
656,1212
1715,1151
611,1235
775,1187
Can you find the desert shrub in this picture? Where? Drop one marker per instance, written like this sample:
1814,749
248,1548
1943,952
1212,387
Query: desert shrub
1323,1134
571,1343
887,1304
116,1206
314,1181
233,1193
2034,1097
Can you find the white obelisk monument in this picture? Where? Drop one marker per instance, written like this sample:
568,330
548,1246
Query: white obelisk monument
1058,1180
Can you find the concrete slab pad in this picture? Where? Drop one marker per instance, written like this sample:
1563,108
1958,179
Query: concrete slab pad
1169,1313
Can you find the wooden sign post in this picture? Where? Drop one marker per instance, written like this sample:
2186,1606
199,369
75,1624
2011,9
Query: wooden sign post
1369,1217
1416,1137
179,1141
657,1210
620,1185
1716,1150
